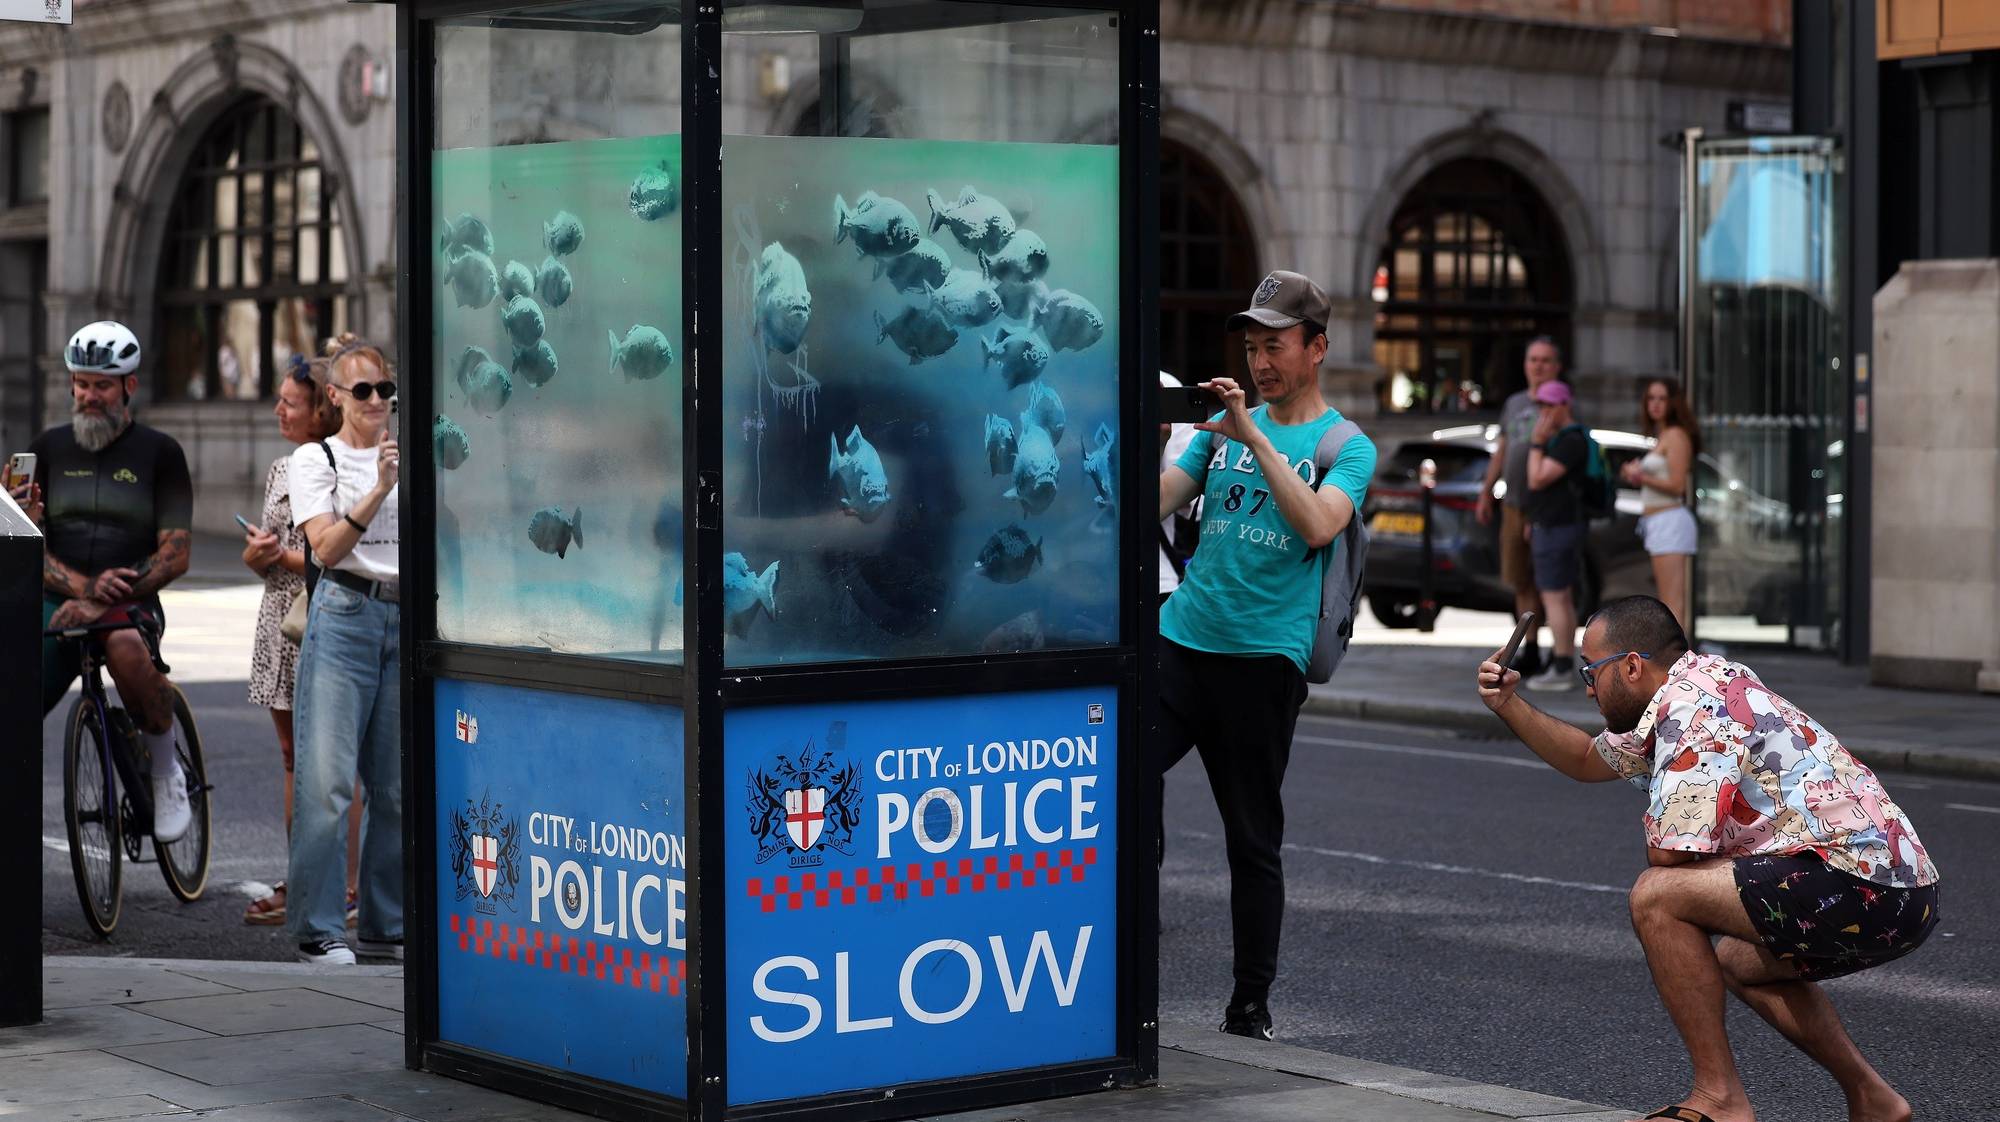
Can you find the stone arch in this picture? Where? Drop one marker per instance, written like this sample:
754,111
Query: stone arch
180,114
803,99
1254,189
1586,249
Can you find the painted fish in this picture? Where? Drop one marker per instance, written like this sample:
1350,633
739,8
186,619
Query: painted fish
1045,410
925,265
516,280
1068,321
552,533
784,303
1021,299
978,221
744,591
1022,633
1100,466
1008,556
880,227
473,279
920,333
654,195
1000,444
450,441
553,283
535,365
1021,355
864,486
643,356
966,299
522,318
463,233
469,360
563,234
487,387
1024,258
1035,469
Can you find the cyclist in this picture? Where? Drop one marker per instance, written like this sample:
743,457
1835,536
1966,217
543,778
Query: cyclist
116,504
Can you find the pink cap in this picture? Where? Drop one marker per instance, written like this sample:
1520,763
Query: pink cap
1552,393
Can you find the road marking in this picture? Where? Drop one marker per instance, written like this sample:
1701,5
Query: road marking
1969,806
1437,867
61,845
1413,750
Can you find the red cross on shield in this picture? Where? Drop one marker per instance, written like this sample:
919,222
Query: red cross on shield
805,815
485,862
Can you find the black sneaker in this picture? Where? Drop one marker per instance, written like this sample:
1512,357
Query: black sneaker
1251,1019
381,948
326,952
1527,663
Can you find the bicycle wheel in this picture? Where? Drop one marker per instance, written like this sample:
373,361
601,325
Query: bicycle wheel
184,862
90,810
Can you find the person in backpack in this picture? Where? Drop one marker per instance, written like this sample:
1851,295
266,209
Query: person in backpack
1239,633
1558,460
1540,364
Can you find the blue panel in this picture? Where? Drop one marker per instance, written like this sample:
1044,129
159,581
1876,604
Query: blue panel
561,882
920,889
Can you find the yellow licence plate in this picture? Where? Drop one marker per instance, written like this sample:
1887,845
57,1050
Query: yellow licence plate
1397,522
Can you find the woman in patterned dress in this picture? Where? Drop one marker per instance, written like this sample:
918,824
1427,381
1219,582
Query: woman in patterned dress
275,550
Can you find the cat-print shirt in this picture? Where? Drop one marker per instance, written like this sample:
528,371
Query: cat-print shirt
1734,769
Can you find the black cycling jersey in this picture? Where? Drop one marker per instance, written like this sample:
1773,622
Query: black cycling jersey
107,509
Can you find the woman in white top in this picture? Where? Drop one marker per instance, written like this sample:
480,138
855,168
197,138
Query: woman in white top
347,703
1663,477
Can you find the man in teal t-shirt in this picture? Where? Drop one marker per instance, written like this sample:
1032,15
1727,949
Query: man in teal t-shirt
1238,633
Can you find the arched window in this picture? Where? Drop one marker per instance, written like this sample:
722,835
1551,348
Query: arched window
1474,268
1208,266
254,268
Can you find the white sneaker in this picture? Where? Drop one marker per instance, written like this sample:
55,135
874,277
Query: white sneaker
171,815
329,952
1554,677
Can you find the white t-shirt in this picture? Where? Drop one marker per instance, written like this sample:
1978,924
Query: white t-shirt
313,494
1177,443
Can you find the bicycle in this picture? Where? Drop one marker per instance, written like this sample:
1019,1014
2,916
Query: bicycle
102,752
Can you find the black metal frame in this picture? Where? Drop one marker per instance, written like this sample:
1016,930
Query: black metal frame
705,687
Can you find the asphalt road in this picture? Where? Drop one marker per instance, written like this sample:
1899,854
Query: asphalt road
1454,906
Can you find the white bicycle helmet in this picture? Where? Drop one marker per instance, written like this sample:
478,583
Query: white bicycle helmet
104,347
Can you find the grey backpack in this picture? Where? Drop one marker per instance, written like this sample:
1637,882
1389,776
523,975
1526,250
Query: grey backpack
1340,587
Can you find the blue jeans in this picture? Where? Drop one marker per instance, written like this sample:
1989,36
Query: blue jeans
346,716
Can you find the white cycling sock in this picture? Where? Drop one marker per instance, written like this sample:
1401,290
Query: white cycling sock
161,745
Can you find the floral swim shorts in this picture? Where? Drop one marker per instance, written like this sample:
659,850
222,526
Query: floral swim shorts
1826,923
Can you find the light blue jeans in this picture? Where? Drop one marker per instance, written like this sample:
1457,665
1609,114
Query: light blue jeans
346,717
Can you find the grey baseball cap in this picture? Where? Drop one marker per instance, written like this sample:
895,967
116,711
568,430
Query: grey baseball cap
1284,300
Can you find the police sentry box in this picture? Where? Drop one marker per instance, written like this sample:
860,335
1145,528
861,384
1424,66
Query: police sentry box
779,560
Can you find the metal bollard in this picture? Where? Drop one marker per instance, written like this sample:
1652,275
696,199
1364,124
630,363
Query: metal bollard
1427,609
21,763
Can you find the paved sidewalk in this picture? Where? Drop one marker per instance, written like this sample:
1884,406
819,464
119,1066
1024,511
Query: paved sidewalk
1900,730
264,1042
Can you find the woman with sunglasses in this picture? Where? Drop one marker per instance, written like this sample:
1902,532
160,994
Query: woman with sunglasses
274,548
348,701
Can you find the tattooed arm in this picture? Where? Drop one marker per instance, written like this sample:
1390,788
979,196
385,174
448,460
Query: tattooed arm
169,561
61,579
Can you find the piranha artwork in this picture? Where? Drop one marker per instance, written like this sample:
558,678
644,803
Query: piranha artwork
1023,259
1021,356
744,592
1022,633
1100,466
1008,556
1021,299
552,533
978,221
1068,321
784,304
643,356
966,299
924,267
465,233
864,486
1000,445
450,442
535,365
553,283
516,280
483,381
523,320
1035,469
654,195
472,278
563,234
880,227
1045,410
920,333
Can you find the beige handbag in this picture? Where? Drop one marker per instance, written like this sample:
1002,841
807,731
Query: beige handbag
293,626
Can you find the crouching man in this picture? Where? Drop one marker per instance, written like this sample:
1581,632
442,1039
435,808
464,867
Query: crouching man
1777,861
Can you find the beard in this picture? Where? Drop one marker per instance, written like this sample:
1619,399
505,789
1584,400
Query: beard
96,431
1621,708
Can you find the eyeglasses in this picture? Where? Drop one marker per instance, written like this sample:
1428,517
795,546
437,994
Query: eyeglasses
1589,673
362,391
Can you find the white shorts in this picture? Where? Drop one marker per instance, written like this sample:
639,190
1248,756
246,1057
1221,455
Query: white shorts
1668,531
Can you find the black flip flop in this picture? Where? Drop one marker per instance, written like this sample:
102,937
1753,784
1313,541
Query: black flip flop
1680,1114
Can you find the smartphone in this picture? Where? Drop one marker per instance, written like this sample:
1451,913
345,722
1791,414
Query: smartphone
140,570
1521,630
20,469
245,523
1183,405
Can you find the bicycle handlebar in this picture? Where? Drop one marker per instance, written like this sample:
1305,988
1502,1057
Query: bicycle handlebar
122,619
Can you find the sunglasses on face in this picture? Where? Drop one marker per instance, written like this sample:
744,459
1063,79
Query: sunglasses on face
1589,673
362,391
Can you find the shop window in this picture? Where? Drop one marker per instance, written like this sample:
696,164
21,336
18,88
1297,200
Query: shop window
254,267
1208,266
28,157
1474,268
